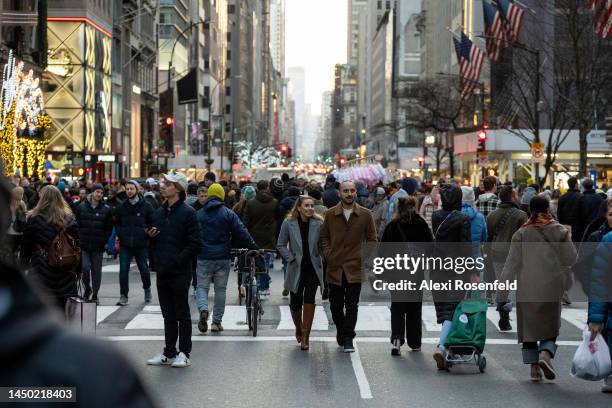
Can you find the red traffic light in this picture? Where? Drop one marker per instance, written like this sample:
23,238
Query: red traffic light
342,160
169,121
421,159
284,148
482,136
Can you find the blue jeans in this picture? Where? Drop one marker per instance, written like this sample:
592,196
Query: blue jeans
447,325
216,271
264,279
125,258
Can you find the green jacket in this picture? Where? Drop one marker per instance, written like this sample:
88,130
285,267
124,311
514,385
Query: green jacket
259,218
501,237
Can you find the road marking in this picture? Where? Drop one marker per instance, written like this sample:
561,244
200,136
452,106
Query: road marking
151,318
493,317
216,338
103,312
373,318
577,317
362,380
320,321
428,315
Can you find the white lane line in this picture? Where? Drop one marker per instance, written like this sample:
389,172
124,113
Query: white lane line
215,338
146,321
577,317
493,317
362,380
320,321
374,318
104,311
428,315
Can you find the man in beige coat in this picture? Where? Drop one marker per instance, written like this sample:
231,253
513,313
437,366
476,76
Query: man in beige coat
346,227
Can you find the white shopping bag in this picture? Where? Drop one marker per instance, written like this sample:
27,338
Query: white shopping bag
592,359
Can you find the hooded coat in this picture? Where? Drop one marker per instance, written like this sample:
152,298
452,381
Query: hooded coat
450,225
260,219
539,258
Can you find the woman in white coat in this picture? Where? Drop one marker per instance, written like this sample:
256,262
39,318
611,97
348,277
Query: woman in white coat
298,244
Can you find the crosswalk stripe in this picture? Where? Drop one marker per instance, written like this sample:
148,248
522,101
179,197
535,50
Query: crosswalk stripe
369,318
373,318
493,317
428,315
320,321
576,317
104,311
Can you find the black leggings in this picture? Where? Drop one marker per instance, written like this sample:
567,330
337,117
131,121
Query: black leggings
309,282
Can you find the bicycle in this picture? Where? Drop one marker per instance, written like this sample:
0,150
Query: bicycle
254,309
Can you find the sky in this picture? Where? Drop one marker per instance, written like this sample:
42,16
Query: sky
315,38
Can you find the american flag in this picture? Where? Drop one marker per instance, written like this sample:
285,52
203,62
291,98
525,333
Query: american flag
494,31
470,59
512,16
602,20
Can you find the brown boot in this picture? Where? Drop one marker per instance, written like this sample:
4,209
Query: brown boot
309,310
297,321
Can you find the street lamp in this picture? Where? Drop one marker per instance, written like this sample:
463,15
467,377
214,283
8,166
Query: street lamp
209,160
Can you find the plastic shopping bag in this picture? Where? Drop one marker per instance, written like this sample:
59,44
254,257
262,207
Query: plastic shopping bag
592,359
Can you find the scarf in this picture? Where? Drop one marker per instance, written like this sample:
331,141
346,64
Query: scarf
540,220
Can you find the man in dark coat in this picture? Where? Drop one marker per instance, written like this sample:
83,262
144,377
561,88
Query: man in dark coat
133,218
260,220
568,209
95,226
37,351
588,206
331,195
176,241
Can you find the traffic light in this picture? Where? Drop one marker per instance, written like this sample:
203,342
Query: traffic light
482,140
69,153
166,133
284,149
341,162
421,161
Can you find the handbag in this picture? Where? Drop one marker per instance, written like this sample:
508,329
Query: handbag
81,314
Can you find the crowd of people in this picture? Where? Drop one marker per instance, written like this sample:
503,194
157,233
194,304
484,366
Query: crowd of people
184,231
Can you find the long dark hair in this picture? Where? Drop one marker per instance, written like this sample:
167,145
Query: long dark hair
406,209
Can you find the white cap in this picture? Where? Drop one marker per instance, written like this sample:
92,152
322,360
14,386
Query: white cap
380,190
151,181
178,178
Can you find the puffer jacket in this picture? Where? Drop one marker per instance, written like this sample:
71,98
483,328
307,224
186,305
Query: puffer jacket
600,299
586,256
38,234
478,228
132,220
95,225
179,239
450,225
260,219
220,228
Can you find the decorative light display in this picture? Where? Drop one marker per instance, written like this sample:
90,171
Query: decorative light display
23,121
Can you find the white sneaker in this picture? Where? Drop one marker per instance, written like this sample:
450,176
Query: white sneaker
160,359
181,361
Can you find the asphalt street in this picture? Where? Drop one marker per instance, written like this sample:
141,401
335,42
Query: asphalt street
233,368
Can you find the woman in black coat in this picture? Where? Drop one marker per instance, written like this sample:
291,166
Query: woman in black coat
45,221
407,226
451,227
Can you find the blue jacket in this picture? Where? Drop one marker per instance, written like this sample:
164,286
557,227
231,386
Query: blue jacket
478,226
179,240
131,221
220,227
600,297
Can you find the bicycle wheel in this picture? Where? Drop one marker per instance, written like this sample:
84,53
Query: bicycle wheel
255,307
248,304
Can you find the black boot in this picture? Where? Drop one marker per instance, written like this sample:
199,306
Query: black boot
504,320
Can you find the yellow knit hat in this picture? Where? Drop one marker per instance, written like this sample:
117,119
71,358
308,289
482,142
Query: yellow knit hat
216,190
